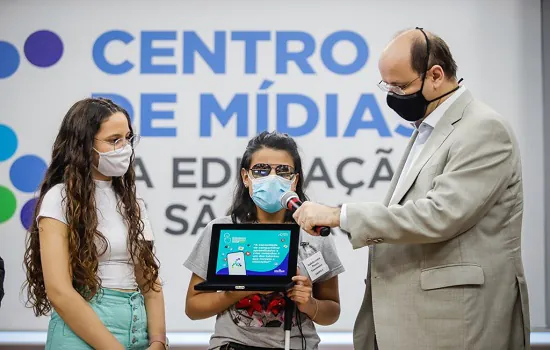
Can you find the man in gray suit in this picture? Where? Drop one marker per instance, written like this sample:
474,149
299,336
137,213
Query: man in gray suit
445,267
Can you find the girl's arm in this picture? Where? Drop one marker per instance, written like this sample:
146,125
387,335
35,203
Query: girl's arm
154,305
321,302
200,305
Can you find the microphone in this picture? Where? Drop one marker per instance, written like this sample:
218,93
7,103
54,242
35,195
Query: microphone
292,202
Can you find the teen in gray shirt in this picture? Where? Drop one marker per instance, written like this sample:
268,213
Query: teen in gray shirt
270,166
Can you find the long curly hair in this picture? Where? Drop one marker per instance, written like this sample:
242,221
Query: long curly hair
243,208
71,165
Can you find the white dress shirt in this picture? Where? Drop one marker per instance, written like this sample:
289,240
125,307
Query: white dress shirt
424,131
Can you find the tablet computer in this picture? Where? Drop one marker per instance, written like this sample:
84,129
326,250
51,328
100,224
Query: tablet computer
257,257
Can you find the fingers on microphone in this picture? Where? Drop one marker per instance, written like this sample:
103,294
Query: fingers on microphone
308,227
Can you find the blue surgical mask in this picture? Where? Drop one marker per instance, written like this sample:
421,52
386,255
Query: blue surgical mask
267,192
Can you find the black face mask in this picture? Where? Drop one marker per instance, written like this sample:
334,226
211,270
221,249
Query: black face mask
412,107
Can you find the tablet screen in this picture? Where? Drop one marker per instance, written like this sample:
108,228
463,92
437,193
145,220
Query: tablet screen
253,252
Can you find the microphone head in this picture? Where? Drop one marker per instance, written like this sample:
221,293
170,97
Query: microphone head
286,197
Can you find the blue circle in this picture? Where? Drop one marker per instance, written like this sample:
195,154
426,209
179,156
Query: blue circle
8,142
9,59
27,172
27,213
43,48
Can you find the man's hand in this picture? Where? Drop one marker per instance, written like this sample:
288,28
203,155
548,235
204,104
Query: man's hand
313,214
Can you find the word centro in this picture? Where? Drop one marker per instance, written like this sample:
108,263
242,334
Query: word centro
342,52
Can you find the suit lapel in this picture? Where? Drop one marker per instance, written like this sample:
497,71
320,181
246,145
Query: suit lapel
440,133
399,170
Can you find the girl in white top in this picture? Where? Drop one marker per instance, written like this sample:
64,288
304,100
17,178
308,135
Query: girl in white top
89,250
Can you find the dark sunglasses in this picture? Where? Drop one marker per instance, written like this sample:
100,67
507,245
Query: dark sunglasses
282,170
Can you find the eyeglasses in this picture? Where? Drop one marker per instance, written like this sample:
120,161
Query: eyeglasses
395,89
263,169
119,144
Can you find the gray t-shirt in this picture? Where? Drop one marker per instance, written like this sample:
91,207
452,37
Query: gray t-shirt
258,319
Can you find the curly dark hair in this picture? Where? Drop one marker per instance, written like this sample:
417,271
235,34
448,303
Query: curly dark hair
71,165
243,208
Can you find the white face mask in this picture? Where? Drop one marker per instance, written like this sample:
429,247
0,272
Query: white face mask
114,163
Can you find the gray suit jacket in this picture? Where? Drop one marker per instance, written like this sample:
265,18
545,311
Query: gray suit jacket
445,267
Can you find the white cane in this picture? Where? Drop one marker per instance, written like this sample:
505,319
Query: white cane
289,309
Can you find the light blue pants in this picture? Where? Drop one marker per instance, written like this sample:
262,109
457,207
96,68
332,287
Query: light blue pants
122,313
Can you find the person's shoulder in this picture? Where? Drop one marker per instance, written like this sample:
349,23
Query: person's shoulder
53,204
480,122
140,190
221,220
206,232
478,114
56,194
139,196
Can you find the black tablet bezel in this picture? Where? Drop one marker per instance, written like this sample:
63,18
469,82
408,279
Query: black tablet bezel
243,280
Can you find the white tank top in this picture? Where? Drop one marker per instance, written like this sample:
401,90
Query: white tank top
115,268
